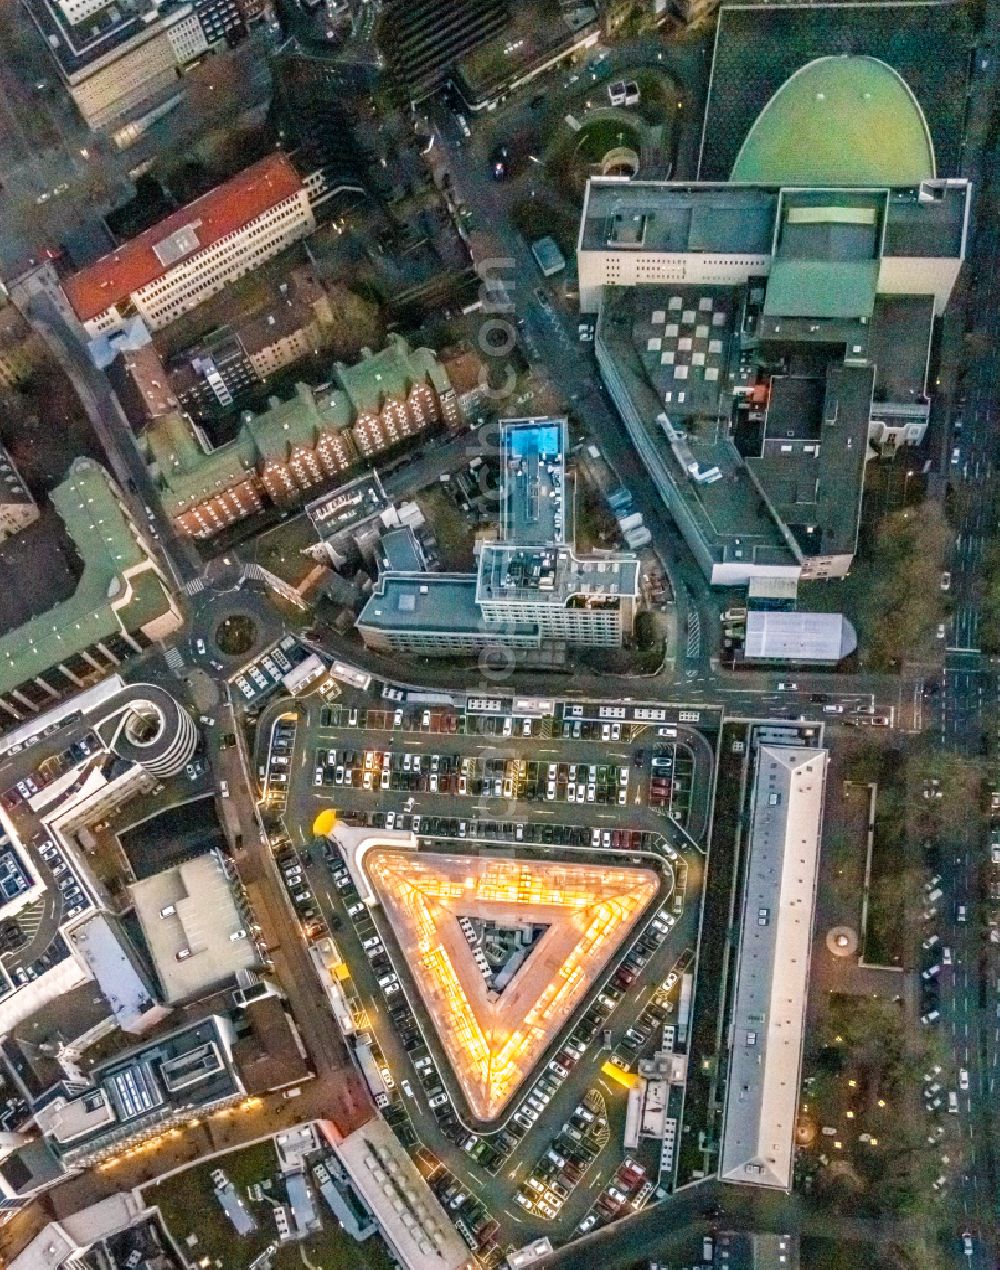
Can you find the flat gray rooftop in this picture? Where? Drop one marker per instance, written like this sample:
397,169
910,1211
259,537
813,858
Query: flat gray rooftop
768,1020
929,226
835,225
899,343
402,551
818,494
673,218
430,602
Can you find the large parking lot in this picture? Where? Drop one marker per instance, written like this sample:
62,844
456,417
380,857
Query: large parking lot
548,780
464,764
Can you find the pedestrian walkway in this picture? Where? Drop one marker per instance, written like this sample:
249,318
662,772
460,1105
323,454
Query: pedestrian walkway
174,660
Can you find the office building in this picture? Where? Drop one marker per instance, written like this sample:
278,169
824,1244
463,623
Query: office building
559,924
423,40
532,589
194,252
757,342
142,1092
113,58
18,508
122,602
767,1025
296,445
196,924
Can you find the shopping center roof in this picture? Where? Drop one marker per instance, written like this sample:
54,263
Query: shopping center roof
494,1041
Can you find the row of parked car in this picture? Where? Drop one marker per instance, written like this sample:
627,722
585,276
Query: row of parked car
275,770
627,1191
74,897
472,1218
48,770
293,873
566,1159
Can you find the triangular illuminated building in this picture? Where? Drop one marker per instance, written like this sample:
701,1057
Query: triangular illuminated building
571,920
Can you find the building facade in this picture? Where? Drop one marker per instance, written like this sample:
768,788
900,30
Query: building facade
114,58
648,233
427,38
18,508
195,252
297,445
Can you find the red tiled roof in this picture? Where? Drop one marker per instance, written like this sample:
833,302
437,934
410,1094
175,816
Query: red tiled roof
221,211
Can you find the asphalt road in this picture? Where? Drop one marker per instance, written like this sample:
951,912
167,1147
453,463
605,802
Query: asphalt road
970,990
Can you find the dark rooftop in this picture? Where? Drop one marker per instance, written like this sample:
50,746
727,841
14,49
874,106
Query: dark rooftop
929,226
899,345
685,339
794,411
818,496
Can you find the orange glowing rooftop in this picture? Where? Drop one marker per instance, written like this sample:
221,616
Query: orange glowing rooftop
503,951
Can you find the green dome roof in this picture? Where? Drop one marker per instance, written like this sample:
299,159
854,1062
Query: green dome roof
839,121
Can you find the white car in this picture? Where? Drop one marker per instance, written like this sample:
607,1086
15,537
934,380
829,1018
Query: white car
963,1080
406,1087
438,1100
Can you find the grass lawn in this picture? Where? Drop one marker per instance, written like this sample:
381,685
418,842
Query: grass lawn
189,1207
594,140
331,1249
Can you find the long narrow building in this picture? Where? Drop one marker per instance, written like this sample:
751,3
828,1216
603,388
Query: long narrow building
194,252
772,976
